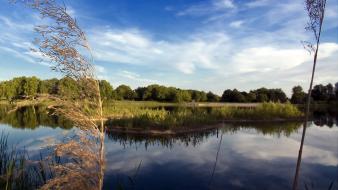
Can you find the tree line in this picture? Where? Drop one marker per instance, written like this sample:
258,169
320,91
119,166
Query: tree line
319,93
30,87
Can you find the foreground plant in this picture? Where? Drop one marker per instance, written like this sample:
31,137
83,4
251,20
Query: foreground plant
315,10
65,45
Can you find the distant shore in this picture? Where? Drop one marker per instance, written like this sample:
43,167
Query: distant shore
161,118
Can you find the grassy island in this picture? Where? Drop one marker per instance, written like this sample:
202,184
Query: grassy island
164,118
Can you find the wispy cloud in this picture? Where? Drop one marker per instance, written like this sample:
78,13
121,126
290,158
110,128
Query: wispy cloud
100,69
258,3
208,7
236,24
136,77
7,22
135,47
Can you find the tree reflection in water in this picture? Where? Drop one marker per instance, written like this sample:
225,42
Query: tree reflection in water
32,117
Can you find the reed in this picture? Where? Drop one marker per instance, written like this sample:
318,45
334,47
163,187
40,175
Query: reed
18,172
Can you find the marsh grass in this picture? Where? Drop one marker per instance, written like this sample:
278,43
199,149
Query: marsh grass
18,172
182,116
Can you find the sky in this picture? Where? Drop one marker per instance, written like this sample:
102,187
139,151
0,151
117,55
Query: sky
209,45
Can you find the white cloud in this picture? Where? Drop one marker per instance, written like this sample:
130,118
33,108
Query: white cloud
136,77
268,59
245,61
221,4
236,24
7,22
258,3
100,69
134,47
130,75
206,8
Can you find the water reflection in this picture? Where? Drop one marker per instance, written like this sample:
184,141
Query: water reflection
250,157
31,117
196,138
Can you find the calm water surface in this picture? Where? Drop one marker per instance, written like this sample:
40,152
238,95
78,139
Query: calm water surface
260,156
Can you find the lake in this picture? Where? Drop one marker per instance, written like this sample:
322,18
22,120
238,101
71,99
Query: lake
235,156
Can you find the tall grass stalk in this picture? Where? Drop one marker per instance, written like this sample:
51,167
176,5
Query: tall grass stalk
64,44
316,11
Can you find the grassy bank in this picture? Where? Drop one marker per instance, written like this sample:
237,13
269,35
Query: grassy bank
160,118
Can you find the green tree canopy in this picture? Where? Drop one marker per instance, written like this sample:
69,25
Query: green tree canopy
124,92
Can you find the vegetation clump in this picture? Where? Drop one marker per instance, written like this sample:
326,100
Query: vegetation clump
189,117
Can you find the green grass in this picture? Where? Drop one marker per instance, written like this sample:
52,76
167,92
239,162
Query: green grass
183,116
17,171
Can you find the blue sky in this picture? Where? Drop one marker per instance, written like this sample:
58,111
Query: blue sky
206,45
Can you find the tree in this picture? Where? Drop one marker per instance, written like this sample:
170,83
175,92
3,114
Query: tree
172,93
227,96
48,86
140,91
30,86
68,88
182,96
124,92
298,95
331,92
336,90
198,96
211,97
320,93
262,97
159,93
251,97
2,90
277,95
9,91
106,90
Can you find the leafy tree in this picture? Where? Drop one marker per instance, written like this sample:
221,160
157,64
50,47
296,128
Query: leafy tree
298,95
48,86
124,92
68,87
262,98
106,90
336,90
140,91
171,94
233,96
198,96
320,93
211,97
277,95
274,95
227,96
30,86
203,96
159,93
331,92
251,97
182,96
